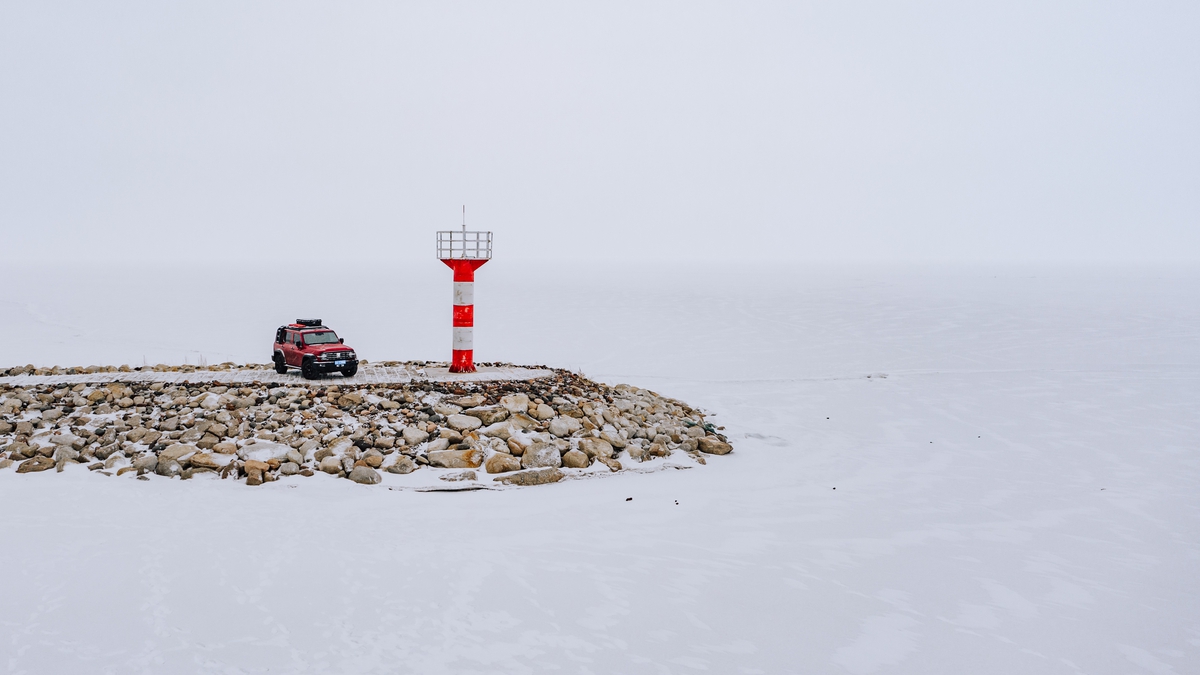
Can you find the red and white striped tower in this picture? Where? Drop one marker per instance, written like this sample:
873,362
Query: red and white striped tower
464,252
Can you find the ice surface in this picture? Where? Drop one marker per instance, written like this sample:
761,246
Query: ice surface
1019,494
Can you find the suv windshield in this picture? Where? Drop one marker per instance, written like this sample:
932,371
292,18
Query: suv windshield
325,337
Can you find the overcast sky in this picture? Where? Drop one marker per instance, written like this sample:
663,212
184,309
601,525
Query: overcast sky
1024,131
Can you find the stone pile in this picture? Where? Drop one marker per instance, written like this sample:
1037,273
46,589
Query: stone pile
523,432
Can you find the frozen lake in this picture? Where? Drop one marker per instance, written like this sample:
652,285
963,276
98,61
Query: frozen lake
1019,494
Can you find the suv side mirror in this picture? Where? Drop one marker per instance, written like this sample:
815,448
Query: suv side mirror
341,341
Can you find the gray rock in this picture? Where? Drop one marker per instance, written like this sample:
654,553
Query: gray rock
402,465
515,403
330,464
613,439
463,422
534,477
168,468
364,474
489,415
541,455
469,401
461,475
542,412
289,469
564,426
437,445
414,436
145,463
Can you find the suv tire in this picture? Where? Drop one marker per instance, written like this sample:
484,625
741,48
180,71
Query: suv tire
307,370
350,370
280,364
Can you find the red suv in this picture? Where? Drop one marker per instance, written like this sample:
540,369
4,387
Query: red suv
312,348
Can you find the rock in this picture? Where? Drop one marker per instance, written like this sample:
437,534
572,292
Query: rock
469,401
596,448
168,468
151,437
289,469
535,477
542,412
204,460
330,464
402,465
501,430
462,475
349,400
208,442
373,458
575,459
36,464
515,403
613,439
456,459
564,426
713,445
488,415
192,435
5,463
178,451
414,436
612,464
450,435
437,445
522,421
502,463
256,471
541,455
515,447
25,428
364,475
636,453
226,448
463,422
145,463
657,450
696,431
385,442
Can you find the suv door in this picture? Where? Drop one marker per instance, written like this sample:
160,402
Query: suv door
290,355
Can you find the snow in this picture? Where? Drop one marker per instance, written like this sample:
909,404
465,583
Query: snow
1018,494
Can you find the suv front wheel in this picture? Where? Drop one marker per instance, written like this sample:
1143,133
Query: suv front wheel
280,364
308,370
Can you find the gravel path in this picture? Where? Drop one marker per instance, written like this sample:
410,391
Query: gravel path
365,375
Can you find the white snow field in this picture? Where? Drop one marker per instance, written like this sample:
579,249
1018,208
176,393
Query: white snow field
1019,494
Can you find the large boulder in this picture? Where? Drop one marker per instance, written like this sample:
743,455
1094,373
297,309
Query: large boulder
330,464
489,415
534,477
502,463
575,459
364,474
515,403
596,448
177,452
463,422
469,401
541,412
541,455
713,445
168,468
401,465
564,426
36,464
456,459
613,439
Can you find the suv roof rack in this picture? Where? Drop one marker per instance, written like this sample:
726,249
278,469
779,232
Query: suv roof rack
309,322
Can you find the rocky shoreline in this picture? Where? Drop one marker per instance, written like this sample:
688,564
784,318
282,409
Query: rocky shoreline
508,432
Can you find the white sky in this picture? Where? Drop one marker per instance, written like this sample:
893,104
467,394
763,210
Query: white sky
1023,131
